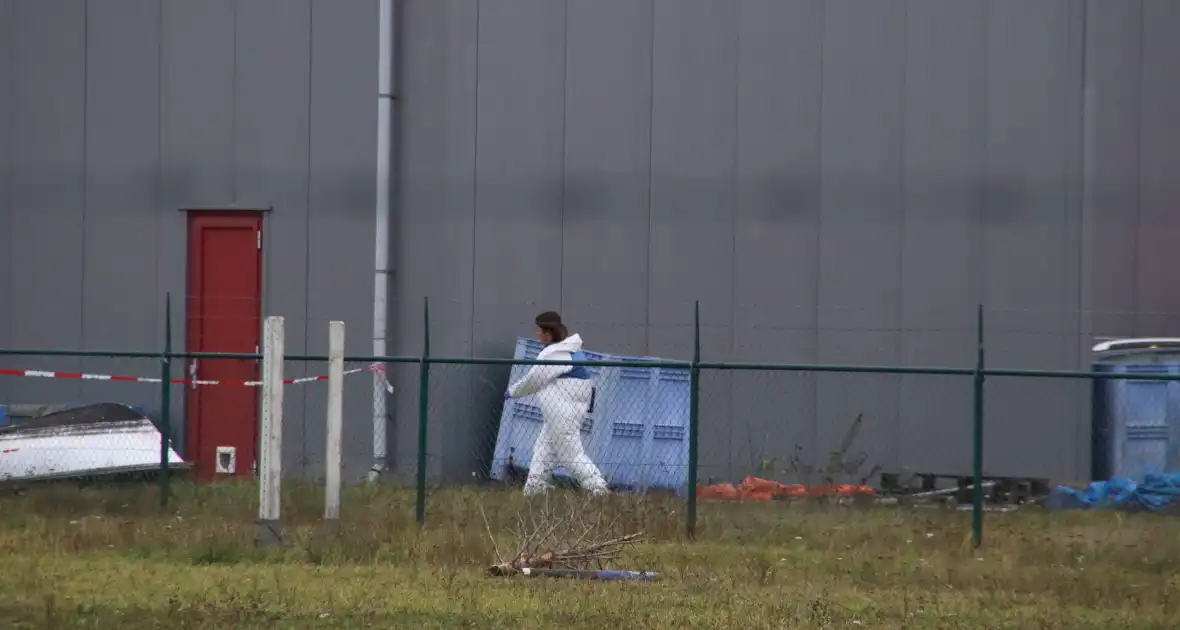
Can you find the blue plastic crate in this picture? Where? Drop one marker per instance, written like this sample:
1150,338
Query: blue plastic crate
520,420
647,410
1137,430
667,454
623,405
637,433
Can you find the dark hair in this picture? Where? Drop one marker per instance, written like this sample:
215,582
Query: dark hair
550,322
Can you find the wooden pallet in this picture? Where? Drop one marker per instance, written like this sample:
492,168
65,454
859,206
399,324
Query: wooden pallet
1005,491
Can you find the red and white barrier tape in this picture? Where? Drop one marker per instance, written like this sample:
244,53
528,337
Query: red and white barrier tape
375,367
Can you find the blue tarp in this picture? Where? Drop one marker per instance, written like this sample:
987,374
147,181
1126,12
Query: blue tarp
1156,493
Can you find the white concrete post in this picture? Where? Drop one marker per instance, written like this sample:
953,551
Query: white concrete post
335,419
270,443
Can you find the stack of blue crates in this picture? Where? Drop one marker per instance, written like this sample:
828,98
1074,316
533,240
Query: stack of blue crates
637,432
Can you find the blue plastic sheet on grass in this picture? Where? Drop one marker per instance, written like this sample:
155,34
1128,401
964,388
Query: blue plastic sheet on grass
1156,493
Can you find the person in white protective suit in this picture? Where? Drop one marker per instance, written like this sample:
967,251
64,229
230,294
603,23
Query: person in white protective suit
565,394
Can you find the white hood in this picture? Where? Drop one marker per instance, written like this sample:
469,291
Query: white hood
570,344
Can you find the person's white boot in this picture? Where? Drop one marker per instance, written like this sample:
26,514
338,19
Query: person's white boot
534,489
598,489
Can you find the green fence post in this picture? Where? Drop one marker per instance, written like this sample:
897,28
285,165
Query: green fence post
694,421
166,402
977,437
423,411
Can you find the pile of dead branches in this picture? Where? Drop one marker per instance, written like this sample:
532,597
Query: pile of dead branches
549,536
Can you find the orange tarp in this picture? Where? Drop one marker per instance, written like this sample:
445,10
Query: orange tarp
756,489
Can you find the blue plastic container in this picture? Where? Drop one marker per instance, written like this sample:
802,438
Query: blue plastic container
646,410
1136,424
1135,428
667,455
637,431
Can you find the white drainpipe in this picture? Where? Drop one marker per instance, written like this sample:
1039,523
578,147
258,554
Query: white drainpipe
385,96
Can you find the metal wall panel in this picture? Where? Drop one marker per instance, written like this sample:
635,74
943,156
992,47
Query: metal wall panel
196,141
1109,174
694,116
272,96
1157,298
1028,261
197,105
519,194
694,83
860,259
341,198
1075,349
607,158
47,188
1115,86
1029,98
941,273
7,24
519,167
434,240
776,227
120,307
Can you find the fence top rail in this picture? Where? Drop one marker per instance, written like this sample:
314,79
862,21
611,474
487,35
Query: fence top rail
850,369
670,364
1080,374
322,358
124,354
938,371
54,352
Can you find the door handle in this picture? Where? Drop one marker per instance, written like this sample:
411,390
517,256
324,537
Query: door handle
192,374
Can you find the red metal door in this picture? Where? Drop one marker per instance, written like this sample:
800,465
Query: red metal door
223,314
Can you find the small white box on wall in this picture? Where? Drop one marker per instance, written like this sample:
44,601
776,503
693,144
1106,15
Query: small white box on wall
227,461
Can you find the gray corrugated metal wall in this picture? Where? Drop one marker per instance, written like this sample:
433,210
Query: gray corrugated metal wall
835,181
113,115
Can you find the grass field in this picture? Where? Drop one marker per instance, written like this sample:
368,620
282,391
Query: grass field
108,558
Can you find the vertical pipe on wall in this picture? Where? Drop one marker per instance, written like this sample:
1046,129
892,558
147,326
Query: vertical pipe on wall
385,26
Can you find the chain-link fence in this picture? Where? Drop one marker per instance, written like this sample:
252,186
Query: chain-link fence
700,435
305,417
590,430
771,433
631,428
